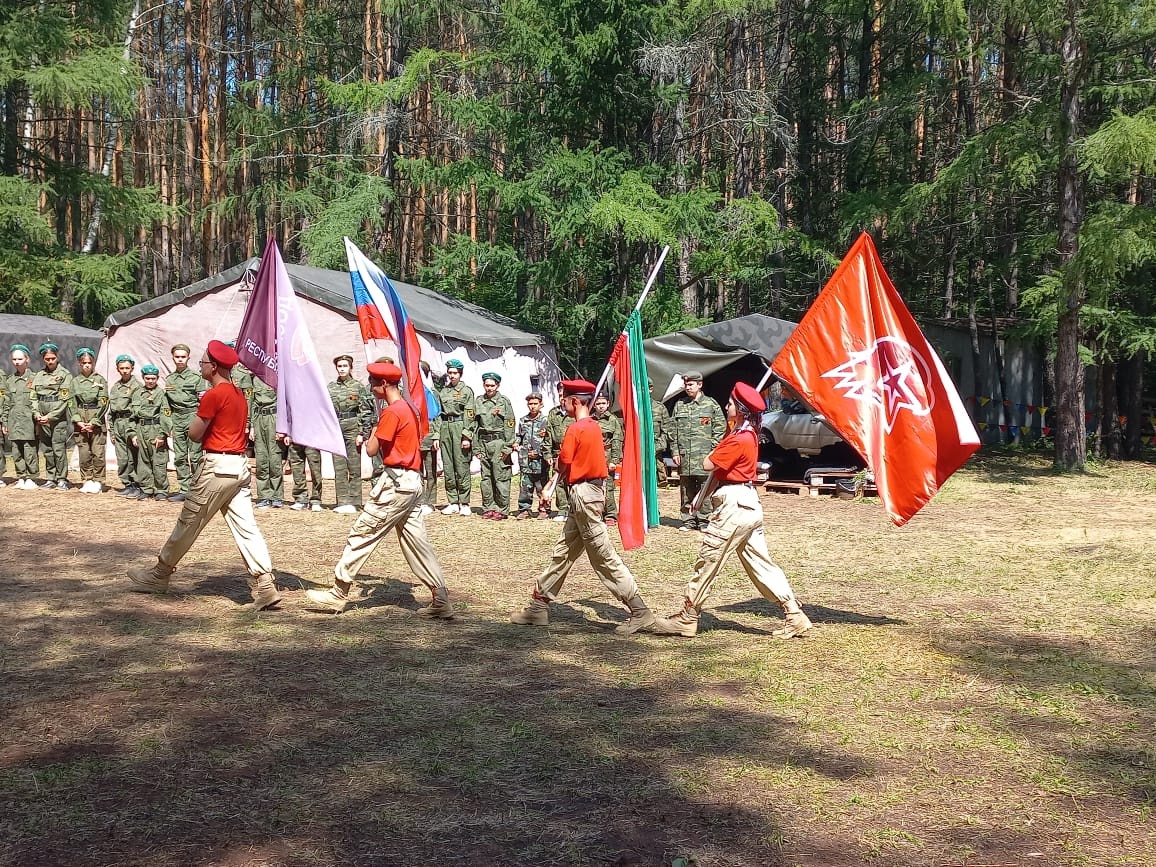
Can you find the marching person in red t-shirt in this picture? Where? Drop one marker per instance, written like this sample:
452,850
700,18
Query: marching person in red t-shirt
394,504
221,485
736,524
582,467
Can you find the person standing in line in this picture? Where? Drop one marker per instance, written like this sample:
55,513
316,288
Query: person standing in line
151,425
20,425
699,425
266,445
182,392
429,459
393,505
221,485
53,387
736,524
557,423
457,400
5,408
306,490
612,440
493,426
582,465
121,398
661,420
88,410
354,405
533,449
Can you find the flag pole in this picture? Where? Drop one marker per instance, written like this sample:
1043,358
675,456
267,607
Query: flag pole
548,490
638,306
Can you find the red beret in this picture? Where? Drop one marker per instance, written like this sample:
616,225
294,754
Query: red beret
577,386
748,397
222,353
388,372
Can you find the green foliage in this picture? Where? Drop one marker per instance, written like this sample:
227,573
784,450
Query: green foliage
1123,146
349,212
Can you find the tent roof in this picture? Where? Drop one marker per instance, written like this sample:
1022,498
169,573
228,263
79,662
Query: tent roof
34,330
710,348
431,312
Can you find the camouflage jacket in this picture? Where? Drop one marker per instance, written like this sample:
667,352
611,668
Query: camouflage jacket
533,444
53,393
698,427
89,399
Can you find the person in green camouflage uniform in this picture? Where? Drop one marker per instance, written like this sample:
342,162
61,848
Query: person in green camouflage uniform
661,420
612,440
698,424
53,388
457,400
557,421
266,445
89,406
533,449
5,407
121,396
20,421
183,392
151,424
353,402
493,428
306,490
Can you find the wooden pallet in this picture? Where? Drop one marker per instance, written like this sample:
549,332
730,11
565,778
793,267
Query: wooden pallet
818,483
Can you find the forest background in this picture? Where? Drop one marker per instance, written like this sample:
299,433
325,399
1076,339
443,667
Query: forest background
535,155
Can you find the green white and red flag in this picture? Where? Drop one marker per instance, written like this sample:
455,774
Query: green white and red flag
638,498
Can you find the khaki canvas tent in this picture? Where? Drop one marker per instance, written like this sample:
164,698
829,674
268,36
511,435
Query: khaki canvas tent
35,330
447,328
725,353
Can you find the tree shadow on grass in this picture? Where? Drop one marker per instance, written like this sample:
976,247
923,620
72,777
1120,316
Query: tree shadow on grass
421,746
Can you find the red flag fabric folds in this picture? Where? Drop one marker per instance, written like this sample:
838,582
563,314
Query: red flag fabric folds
859,358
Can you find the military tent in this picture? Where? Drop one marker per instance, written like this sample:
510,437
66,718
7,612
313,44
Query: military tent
447,328
725,352
35,330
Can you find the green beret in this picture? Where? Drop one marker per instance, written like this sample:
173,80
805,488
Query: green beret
20,347
150,370
83,351
496,377
454,364
48,346
126,357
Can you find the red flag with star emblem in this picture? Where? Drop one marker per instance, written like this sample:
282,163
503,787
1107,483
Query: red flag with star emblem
861,361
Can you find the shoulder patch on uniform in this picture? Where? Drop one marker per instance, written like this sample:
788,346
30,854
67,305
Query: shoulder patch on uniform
168,411
469,413
64,392
509,422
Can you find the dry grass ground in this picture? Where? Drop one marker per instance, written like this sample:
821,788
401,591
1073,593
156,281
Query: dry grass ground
981,691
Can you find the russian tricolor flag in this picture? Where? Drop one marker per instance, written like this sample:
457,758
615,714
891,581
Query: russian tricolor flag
382,316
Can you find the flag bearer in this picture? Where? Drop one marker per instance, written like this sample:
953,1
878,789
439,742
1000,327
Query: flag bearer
582,465
393,505
736,524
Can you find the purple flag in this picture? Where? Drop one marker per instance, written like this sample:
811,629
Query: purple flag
274,343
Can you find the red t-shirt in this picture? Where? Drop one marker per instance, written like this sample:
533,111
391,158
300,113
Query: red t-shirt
582,456
397,433
736,458
223,407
